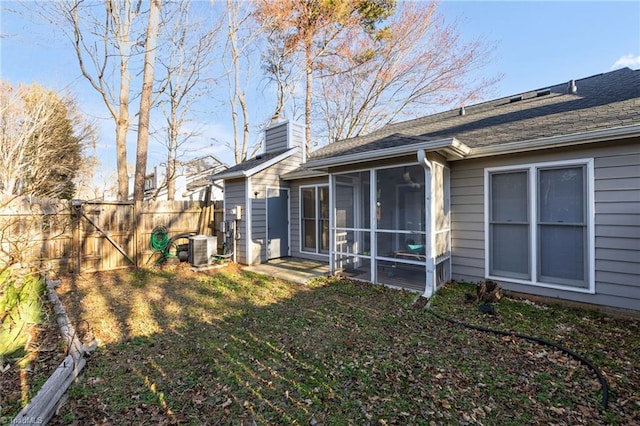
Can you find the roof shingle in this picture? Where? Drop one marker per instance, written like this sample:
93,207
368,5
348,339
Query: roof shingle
602,101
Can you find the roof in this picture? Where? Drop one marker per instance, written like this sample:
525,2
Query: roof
206,163
601,102
254,165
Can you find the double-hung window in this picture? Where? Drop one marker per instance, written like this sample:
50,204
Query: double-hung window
315,219
539,226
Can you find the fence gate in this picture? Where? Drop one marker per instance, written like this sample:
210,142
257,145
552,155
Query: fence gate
103,235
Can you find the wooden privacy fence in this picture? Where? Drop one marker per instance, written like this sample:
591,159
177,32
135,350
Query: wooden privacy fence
87,236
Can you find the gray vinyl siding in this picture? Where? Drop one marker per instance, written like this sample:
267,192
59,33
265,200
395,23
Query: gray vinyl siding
235,195
268,178
276,138
252,246
258,230
617,221
297,133
295,219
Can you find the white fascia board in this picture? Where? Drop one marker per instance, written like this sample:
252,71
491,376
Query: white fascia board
269,163
304,174
451,145
557,141
258,168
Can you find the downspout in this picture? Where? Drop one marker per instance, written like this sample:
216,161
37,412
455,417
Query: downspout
332,221
248,213
429,224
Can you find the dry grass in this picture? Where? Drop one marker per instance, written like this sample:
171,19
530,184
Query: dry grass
233,348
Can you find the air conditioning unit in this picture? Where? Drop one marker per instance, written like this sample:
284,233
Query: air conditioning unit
201,249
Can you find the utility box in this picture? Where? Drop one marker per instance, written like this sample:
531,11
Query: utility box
201,249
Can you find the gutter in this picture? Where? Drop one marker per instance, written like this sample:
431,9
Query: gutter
453,147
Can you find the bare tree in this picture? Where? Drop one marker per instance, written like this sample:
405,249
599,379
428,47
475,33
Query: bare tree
42,138
313,27
104,36
277,63
150,44
417,62
241,35
183,63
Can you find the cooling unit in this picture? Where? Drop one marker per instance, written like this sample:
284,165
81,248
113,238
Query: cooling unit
201,249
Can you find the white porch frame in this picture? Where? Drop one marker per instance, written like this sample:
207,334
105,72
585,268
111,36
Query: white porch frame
429,221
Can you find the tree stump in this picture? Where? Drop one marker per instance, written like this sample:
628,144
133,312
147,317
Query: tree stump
488,292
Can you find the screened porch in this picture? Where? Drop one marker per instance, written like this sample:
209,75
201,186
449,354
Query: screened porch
388,229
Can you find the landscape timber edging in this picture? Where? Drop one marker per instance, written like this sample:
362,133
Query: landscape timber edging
43,406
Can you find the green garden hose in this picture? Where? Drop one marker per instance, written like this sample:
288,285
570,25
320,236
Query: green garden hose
603,381
160,242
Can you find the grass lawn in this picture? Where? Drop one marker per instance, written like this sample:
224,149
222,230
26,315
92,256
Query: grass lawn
239,348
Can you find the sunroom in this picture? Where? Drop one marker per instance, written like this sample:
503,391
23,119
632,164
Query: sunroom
389,214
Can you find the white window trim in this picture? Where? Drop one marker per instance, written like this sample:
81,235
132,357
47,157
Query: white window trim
303,249
533,212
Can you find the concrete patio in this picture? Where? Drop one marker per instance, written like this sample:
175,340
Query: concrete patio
291,269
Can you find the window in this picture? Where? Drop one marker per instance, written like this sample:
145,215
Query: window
538,229
315,219
509,225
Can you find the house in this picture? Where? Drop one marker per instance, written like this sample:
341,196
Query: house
192,180
539,191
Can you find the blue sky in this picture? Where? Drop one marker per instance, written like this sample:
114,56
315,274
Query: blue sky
538,44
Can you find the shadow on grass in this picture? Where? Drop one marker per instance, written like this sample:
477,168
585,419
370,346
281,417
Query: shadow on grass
235,348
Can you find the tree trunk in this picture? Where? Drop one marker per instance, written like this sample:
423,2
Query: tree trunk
173,151
307,101
122,127
145,100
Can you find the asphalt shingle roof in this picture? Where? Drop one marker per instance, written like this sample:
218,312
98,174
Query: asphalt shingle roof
601,101
251,163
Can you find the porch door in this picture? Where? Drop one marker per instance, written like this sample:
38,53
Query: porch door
277,223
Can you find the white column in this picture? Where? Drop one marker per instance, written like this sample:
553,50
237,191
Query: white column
332,222
373,224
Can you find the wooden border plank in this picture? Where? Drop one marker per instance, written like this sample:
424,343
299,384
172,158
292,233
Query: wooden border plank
43,406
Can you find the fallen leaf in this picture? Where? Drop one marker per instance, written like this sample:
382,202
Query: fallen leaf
557,410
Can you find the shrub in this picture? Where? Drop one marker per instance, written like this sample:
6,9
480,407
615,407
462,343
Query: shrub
21,309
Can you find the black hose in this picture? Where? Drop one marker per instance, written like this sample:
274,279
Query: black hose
603,382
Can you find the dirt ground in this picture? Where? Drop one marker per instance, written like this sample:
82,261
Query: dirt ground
22,376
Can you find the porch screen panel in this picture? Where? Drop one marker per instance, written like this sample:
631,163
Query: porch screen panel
323,225
345,206
400,198
352,213
344,218
562,227
509,224
351,228
400,213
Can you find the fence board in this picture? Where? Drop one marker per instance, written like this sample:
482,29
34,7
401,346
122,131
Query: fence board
55,235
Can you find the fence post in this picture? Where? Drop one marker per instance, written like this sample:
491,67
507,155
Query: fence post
75,260
137,232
